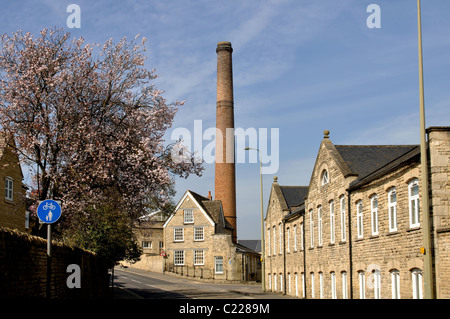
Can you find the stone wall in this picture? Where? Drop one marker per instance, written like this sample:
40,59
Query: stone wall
12,212
386,250
439,150
23,269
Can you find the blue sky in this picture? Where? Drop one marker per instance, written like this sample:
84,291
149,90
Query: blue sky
302,66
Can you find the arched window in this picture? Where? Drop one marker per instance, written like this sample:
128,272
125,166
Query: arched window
325,177
395,283
359,219
374,214
417,283
414,208
392,202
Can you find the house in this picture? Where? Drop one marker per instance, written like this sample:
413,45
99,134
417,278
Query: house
149,233
198,242
12,204
358,230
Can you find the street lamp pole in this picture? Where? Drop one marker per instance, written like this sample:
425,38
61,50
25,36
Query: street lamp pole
263,259
428,262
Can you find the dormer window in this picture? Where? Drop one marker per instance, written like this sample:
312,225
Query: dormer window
325,178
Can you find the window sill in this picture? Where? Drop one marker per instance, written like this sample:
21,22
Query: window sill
392,233
413,228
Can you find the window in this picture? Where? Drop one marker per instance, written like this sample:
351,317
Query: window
178,234
280,234
303,285
377,284
362,285
311,223
161,245
146,244
344,285
288,239
188,216
395,283
321,285
9,188
218,265
392,203
413,190
281,281
178,257
332,236
274,240
333,285
319,224
199,257
302,243
374,214
199,233
417,283
268,240
343,231
313,295
274,282
359,219
270,281
295,237
325,178
289,282
27,220
296,283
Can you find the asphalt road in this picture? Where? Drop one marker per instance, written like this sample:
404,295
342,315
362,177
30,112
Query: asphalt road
132,283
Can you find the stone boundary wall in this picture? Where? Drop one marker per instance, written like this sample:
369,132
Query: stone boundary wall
23,269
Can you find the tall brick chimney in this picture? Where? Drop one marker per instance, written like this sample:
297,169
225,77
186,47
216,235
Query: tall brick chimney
225,180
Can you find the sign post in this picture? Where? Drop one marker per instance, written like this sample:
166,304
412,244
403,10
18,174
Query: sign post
49,211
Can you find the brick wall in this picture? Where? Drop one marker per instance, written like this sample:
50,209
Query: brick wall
23,269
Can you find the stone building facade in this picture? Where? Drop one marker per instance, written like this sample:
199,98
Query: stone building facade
198,242
358,229
149,234
12,201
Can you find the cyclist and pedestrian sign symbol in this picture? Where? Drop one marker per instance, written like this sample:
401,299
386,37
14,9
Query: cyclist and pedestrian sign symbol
49,211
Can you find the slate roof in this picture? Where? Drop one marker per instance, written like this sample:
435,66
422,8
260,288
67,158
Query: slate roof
411,155
213,208
363,160
253,244
294,195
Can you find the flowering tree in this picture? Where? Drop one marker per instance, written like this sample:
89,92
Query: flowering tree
89,117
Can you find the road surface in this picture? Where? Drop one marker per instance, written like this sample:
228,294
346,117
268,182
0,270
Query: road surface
140,284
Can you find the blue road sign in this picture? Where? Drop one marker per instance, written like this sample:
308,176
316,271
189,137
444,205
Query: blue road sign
49,211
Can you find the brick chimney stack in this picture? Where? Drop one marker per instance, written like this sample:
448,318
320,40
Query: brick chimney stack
225,180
